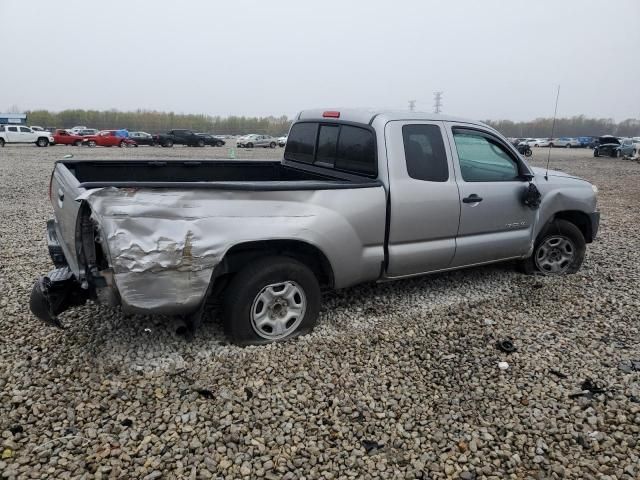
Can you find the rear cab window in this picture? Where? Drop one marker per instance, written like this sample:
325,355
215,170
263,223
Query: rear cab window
425,153
337,145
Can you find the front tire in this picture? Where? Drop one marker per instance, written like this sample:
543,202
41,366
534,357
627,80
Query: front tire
219,144
42,142
272,299
272,145
559,249
77,143
1,142
249,145
618,153
168,144
596,153
123,144
91,143
200,143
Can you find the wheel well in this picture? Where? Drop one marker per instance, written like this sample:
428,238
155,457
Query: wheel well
239,255
580,220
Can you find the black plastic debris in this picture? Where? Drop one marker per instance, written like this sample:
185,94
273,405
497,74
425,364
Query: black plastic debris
248,393
506,346
370,446
127,422
16,429
589,388
558,373
206,393
629,366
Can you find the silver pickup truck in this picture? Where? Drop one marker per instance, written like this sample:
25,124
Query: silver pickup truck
359,196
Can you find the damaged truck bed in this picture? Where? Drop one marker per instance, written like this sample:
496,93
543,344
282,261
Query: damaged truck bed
359,196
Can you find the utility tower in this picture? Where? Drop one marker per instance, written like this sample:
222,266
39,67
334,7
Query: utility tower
437,102
412,105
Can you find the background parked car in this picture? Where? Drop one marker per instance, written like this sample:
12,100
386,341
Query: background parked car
21,134
64,137
212,140
85,132
566,142
142,138
179,137
585,141
255,140
282,141
610,146
636,144
108,138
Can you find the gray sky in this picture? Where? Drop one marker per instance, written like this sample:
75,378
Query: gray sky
493,59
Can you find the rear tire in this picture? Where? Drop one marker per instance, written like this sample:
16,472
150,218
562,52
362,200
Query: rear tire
200,143
272,145
123,144
568,145
559,249
42,142
596,153
219,144
618,153
273,299
168,144
551,145
77,143
91,143
249,145
1,142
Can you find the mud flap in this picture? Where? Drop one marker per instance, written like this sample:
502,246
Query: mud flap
55,293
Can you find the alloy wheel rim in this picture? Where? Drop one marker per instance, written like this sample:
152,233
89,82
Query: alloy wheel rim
555,255
278,310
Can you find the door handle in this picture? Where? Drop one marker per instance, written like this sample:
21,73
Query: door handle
473,198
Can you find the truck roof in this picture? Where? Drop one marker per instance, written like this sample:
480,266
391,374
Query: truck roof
367,116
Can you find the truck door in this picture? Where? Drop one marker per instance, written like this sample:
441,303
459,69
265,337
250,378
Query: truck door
27,135
424,204
13,135
494,223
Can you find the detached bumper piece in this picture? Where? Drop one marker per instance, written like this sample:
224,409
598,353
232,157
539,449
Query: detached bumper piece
55,293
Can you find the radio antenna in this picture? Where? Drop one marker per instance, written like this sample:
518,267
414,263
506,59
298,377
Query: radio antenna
553,127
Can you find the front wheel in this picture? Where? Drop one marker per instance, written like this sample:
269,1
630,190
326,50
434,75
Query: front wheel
568,145
528,152
559,249
200,143
249,145
42,142
219,144
596,153
77,143
168,144
273,299
272,145
618,153
1,142
91,143
123,144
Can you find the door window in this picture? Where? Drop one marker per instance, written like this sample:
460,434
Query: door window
483,158
25,130
12,129
424,153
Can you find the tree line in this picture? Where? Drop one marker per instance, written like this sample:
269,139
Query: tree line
156,122
577,126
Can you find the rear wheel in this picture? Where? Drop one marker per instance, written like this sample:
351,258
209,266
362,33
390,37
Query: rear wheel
559,249
91,143
596,153
249,145
123,144
42,142
168,144
77,143
200,143
273,299
272,145
568,145
618,153
1,142
219,144
551,145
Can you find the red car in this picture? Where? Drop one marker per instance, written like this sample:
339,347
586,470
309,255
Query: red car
108,138
62,137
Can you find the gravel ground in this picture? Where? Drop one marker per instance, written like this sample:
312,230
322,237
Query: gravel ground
399,380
